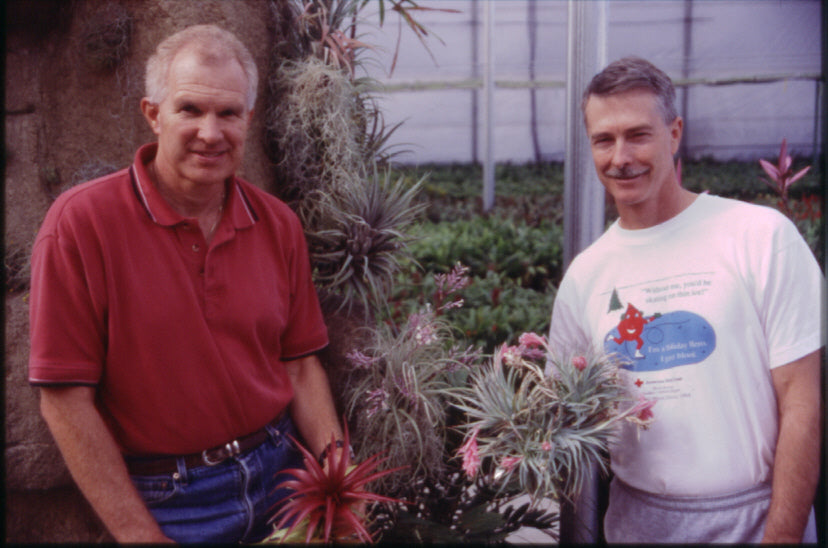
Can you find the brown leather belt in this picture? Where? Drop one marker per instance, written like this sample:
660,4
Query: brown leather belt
208,457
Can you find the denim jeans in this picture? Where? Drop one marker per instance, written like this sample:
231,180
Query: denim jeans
229,502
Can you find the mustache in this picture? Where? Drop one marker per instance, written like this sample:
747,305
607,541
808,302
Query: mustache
626,172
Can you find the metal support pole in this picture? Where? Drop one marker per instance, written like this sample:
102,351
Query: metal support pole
687,58
583,193
475,92
583,214
488,106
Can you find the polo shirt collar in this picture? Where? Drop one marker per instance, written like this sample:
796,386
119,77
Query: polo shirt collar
238,206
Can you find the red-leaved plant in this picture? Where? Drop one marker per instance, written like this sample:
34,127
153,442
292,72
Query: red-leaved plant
327,504
782,175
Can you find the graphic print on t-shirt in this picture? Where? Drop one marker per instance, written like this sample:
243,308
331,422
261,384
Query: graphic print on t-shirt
654,341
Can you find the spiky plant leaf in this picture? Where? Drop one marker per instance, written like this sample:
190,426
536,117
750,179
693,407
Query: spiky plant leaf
358,244
325,501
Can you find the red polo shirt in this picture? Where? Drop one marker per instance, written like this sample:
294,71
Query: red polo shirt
184,340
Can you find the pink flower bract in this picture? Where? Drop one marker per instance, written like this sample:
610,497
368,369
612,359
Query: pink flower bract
507,463
471,455
642,412
531,340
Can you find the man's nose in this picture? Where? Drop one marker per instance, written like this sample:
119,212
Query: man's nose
209,129
621,154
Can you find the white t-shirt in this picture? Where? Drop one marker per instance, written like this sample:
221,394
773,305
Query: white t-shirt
701,307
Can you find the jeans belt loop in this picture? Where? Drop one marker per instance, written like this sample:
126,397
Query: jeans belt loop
181,473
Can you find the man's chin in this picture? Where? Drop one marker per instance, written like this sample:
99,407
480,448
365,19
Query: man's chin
209,176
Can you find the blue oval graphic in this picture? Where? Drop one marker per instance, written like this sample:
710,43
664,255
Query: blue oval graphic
661,341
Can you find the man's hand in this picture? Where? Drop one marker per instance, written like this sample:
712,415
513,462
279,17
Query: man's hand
96,464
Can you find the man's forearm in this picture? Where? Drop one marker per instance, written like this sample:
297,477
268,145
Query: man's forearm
795,477
96,464
312,408
796,461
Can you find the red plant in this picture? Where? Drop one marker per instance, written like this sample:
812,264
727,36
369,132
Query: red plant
332,498
782,175
336,46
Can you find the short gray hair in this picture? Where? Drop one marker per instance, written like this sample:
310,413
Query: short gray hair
211,43
632,73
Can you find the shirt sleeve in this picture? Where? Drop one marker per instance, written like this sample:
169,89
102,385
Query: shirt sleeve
306,332
791,289
67,308
567,333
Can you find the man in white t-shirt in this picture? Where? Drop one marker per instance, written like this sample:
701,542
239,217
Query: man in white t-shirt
713,307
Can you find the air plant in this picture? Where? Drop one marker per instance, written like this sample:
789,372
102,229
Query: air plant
330,43
315,131
326,503
783,176
333,35
538,432
357,240
398,394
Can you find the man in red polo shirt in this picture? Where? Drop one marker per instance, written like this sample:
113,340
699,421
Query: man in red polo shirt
174,322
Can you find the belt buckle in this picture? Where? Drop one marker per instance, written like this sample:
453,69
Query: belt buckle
230,449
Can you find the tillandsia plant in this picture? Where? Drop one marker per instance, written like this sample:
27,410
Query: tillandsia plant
536,432
399,391
328,499
332,26
782,176
315,131
326,135
357,245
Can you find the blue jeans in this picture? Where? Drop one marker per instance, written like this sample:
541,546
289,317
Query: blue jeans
229,502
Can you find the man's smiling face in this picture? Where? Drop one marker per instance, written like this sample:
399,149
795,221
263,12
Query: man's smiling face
202,122
632,147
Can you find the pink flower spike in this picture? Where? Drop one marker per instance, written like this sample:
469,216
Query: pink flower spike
360,360
507,463
642,412
531,339
579,362
471,455
546,446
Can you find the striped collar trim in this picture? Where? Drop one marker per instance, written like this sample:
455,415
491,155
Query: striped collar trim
159,211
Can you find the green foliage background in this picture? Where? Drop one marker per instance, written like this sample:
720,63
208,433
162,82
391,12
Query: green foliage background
514,252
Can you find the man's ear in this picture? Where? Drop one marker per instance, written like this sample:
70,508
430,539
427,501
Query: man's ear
676,130
151,111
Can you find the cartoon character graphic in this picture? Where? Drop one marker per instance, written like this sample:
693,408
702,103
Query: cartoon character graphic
631,327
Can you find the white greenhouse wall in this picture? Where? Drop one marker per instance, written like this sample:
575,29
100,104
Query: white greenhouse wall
728,39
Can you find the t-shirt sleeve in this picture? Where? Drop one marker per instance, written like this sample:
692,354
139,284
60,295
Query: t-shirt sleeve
67,313
306,332
791,290
567,334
